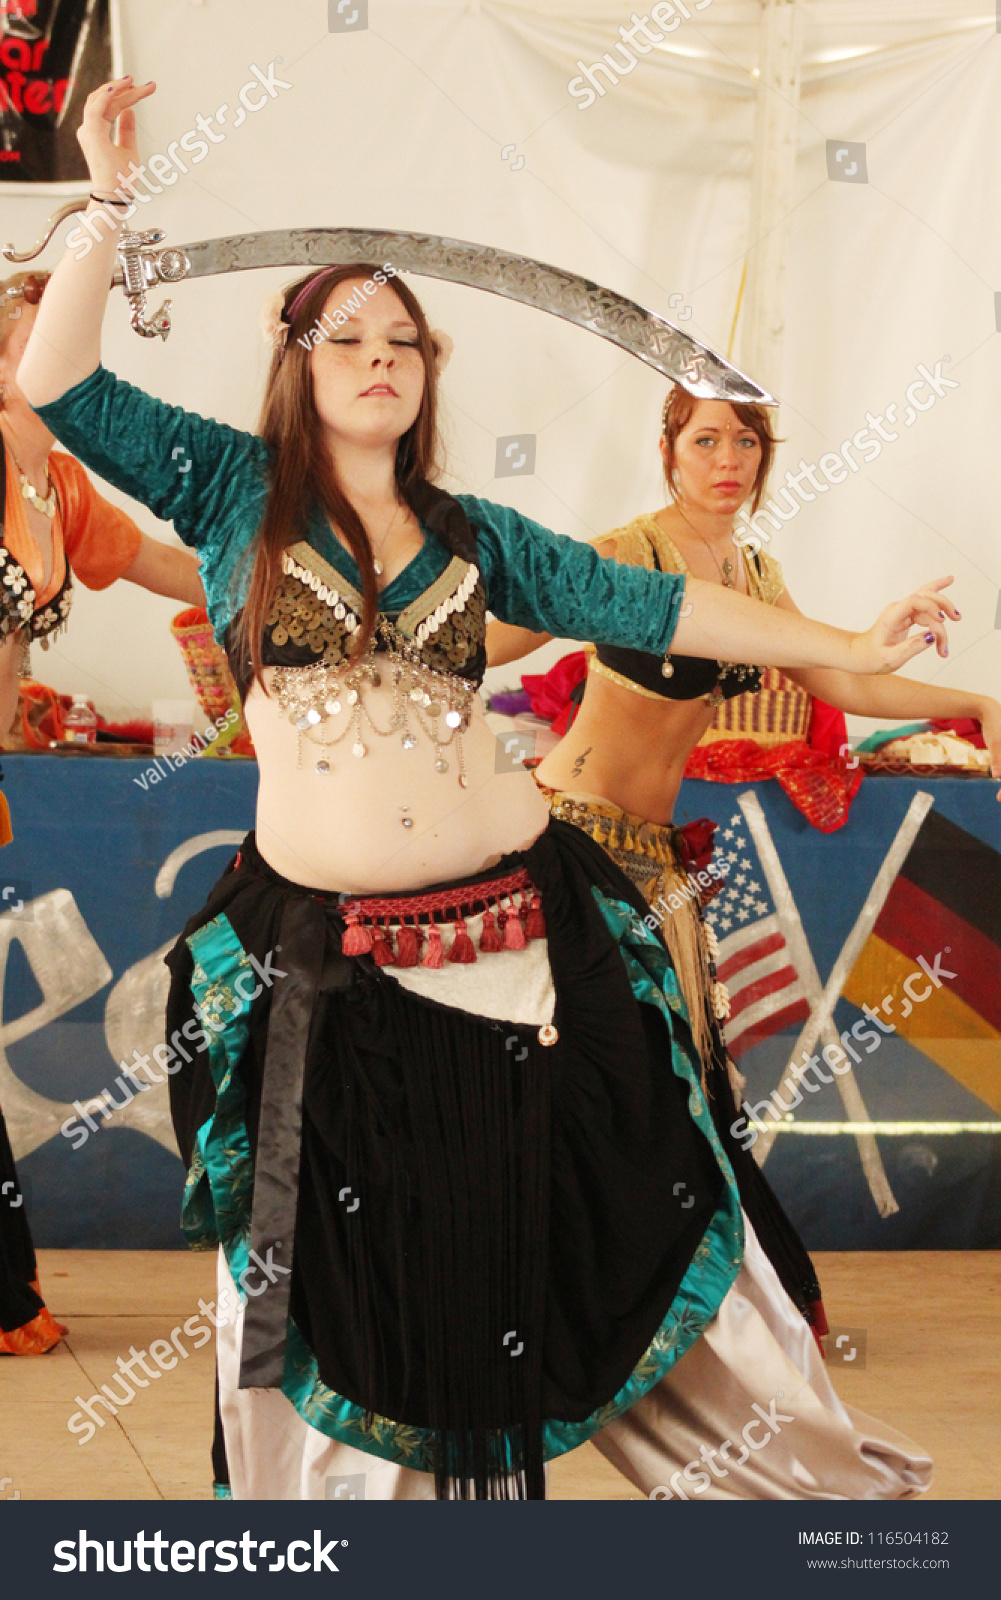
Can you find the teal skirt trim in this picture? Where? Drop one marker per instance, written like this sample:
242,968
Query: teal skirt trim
219,1193
719,1255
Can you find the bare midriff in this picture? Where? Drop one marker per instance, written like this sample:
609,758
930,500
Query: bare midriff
344,830
628,748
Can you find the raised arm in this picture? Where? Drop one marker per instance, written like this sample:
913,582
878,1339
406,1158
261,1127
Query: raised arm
65,343
539,580
188,469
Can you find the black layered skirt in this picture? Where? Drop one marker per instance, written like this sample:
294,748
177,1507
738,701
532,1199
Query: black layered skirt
466,1242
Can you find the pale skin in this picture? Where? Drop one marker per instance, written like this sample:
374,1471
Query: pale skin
344,831
160,568
632,750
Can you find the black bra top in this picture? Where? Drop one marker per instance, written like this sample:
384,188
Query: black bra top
315,610
692,676
18,608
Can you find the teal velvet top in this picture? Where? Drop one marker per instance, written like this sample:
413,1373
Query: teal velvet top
211,481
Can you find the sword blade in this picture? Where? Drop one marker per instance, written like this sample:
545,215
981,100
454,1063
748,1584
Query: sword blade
641,333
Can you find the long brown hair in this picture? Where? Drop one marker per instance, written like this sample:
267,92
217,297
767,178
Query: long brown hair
678,411
302,471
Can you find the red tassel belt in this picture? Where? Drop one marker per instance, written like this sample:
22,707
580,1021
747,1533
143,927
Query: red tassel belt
509,923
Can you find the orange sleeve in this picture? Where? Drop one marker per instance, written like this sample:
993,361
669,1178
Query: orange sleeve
101,542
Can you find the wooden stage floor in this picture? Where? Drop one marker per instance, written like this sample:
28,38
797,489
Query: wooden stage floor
931,1370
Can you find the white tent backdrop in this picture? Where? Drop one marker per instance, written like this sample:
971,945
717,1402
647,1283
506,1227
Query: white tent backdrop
455,118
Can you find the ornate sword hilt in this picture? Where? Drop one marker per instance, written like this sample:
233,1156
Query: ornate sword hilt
142,267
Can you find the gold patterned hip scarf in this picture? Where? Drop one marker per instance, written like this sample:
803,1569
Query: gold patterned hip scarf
649,856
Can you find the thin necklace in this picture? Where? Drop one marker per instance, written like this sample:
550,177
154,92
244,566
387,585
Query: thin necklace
726,570
379,568
47,506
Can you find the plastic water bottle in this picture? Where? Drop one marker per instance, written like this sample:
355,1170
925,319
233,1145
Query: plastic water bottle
80,722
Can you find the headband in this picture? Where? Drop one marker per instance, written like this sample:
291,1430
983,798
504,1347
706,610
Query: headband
275,322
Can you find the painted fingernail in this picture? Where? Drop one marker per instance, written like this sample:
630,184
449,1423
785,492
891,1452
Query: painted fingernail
942,615
929,638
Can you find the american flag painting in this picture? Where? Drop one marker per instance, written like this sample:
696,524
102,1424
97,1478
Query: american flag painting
755,963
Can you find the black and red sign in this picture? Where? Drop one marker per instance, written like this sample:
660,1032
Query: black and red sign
52,54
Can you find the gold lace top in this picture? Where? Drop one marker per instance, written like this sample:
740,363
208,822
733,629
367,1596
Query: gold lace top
634,545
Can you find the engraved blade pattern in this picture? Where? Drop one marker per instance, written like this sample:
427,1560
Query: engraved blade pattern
563,294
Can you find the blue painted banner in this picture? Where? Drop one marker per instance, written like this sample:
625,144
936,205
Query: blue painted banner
102,876
98,882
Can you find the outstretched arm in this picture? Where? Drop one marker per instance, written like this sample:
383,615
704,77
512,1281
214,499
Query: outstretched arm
541,581
866,695
186,468
718,622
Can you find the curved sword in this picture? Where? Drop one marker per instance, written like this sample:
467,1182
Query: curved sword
563,294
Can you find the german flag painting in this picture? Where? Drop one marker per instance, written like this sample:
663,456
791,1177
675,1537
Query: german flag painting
932,964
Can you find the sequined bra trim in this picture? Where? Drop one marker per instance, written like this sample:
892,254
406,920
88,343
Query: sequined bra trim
315,611
431,656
